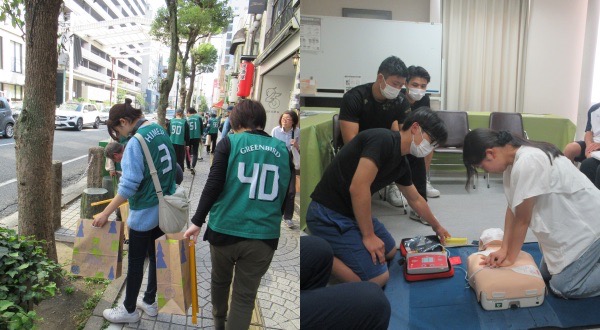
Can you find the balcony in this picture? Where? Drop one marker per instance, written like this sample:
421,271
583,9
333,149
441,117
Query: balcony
280,22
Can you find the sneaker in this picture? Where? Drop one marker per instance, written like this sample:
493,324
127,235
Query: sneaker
289,223
120,315
150,310
393,195
193,171
414,216
432,192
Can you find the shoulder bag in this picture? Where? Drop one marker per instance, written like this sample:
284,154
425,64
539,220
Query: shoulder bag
173,210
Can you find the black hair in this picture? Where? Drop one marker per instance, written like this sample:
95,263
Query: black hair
192,110
248,114
121,111
429,122
213,115
392,66
479,140
419,72
292,114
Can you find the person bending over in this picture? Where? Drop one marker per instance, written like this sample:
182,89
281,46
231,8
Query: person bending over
340,211
546,193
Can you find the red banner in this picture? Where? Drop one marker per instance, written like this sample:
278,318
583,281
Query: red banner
246,78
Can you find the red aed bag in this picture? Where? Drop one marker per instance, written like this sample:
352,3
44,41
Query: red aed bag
425,265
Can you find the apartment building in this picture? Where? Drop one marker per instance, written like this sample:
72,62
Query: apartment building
12,62
108,50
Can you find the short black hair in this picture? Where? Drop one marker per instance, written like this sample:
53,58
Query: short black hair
419,72
192,110
430,123
121,111
392,66
292,114
248,114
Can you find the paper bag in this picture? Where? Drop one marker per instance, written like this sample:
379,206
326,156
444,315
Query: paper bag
98,252
174,289
124,209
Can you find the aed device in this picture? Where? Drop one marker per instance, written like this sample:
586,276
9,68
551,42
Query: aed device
427,263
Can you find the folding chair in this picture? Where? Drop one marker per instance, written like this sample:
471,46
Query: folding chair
506,121
457,124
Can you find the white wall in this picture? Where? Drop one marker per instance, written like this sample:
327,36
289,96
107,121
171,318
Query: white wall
554,53
402,10
276,103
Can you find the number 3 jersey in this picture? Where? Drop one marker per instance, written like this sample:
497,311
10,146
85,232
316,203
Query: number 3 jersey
258,176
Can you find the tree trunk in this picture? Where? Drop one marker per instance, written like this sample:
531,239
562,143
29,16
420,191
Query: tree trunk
96,166
167,83
56,193
35,129
188,97
89,196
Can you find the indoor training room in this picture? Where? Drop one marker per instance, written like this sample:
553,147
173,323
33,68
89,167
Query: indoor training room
527,67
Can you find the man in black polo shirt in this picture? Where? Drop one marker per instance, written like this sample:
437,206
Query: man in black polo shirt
340,211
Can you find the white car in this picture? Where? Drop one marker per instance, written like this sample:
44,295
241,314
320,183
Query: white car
77,115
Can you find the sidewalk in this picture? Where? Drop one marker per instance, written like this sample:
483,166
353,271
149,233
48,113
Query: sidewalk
278,295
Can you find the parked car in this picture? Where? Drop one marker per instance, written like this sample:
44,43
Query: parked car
77,115
170,114
103,113
7,122
16,107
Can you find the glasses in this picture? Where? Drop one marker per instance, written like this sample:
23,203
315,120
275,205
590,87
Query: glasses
433,143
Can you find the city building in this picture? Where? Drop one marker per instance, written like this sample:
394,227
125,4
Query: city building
12,62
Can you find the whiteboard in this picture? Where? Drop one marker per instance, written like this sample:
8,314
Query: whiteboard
355,47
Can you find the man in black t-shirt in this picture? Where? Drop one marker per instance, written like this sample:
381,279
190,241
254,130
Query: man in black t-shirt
415,92
340,211
377,105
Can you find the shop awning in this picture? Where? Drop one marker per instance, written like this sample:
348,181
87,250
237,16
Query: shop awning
239,38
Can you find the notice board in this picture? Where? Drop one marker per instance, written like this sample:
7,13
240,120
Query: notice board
339,52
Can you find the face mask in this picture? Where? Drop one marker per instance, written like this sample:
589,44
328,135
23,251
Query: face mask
422,149
416,94
389,92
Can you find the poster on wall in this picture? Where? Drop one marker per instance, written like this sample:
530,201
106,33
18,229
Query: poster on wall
351,82
310,34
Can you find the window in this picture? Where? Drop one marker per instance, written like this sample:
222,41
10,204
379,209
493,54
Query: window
17,59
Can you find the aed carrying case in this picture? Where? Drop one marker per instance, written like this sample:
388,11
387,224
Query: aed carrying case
424,258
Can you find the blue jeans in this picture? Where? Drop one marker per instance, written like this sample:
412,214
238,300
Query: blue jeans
580,279
141,245
345,238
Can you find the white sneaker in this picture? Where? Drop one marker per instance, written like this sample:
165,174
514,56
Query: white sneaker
414,216
289,223
120,315
393,195
432,192
150,310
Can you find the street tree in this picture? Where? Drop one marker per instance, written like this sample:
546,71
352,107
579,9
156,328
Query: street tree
204,58
197,20
173,40
34,135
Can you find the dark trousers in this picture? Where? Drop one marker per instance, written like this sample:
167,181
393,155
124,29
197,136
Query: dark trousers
213,143
194,145
288,212
180,153
358,305
591,168
419,174
141,245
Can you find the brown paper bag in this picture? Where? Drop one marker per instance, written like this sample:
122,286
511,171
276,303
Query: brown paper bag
98,252
124,209
174,292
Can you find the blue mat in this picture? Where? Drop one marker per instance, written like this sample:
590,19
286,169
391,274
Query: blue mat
449,304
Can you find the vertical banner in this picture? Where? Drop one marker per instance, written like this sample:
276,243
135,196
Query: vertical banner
245,78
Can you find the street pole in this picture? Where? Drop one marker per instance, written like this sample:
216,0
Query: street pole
112,78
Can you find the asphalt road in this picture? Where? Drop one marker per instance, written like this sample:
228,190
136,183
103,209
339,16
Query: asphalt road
70,147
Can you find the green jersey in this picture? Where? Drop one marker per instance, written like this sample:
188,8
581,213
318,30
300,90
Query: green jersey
258,176
163,156
213,126
195,126
177,129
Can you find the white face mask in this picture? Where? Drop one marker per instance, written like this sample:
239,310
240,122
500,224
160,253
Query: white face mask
389,92
416,94
421,150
